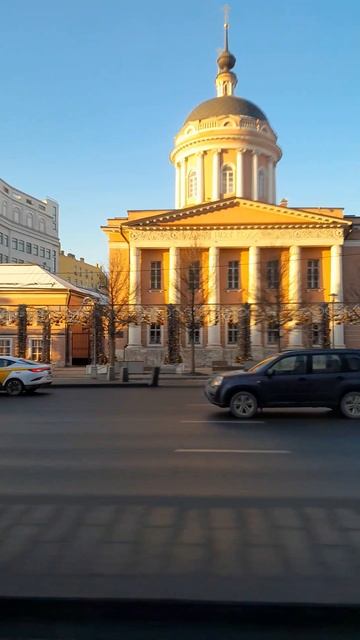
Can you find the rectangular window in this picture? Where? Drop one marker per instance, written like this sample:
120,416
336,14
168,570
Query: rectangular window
1,238
272,274
273,332
14,243
6,258
36,349
326,363
155,275
5,346
42,252
1,258
6,240
28,247
233,274
194,334
21,245
194,276
14,260
35,249
313,274
48,254
155,334
232,333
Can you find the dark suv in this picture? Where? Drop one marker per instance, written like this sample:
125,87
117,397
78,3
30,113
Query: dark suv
302,378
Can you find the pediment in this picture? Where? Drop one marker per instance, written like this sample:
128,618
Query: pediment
238,212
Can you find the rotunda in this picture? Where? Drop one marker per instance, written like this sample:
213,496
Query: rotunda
226,146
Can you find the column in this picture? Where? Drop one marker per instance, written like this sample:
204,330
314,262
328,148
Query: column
134,293
200,177
182,187
295,334
274,183
173,290
255,171
270,181
177,186
254,294
336,288
239,174
213,297
216,176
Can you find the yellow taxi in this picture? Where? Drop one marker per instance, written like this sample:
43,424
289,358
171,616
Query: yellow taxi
18,375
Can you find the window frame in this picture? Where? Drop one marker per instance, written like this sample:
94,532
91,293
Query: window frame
155,275
262,184
234,328
227,179
273,282
270,330
343,364
10,340
233,275
192,184
194,275
32,340
199,332
161,334
313,274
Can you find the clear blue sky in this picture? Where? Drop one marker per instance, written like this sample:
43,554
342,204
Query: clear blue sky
93,92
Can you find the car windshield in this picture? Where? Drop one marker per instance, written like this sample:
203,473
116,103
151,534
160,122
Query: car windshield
259,365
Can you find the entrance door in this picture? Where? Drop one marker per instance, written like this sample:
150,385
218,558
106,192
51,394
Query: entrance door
80,346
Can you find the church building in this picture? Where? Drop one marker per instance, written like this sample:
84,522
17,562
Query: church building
253,275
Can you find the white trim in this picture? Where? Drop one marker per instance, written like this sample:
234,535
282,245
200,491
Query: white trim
161,343
227,343
11,340
233,169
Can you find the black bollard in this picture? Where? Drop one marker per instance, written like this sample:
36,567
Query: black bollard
155,377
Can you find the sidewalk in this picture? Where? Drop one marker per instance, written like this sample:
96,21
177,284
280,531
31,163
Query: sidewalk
76,377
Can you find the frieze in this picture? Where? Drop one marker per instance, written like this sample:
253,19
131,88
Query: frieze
236,237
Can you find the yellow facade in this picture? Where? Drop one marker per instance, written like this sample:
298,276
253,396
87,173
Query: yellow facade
79,272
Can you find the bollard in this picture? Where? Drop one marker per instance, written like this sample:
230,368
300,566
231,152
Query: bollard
125,374
155,377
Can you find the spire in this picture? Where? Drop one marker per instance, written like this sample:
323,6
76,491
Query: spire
226,80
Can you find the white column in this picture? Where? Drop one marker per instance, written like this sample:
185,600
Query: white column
213,297
295,335
177,186
239,174
182,197
216,176
200,177
255,171
336,287
254,293
135,293
274,183
173,293
270,181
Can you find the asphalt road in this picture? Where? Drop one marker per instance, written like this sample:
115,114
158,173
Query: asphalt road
155,493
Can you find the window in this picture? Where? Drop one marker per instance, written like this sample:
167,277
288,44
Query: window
316,334
4,209
192,184
42,252
35,249
291,365
36,348
14,243
326,363
21,245
232,333
6,240
29,220
5,363
155,275
16,213
1,258
261,184
233,274
5,346
272,274
155,334
273,333
1,238
352,361
194,276
6,258
28,247
41,226
313,274
54,224
28,201
14,260
48,254
194,334
227,179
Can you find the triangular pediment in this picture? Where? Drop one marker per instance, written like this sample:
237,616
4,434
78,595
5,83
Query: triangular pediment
238,212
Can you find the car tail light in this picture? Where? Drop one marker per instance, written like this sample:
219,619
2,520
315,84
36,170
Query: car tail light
39,369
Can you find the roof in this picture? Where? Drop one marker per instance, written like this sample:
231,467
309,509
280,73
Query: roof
32,276
226,106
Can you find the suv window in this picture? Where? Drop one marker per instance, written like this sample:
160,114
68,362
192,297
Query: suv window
353,362
326,363
289,365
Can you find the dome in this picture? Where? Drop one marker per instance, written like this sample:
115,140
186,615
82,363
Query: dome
226,106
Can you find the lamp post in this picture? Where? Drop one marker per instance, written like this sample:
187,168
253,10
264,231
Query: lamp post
333,297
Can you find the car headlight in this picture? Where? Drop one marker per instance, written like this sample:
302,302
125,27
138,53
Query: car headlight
216,381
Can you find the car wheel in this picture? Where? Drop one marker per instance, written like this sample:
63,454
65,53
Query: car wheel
350,404
243,405
14,387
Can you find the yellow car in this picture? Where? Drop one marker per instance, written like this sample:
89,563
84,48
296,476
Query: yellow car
18,375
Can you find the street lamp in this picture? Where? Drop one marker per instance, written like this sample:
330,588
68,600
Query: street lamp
333,297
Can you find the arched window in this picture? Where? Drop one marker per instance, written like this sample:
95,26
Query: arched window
227,179
42,226
16,214
192,184
29,220
261,185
